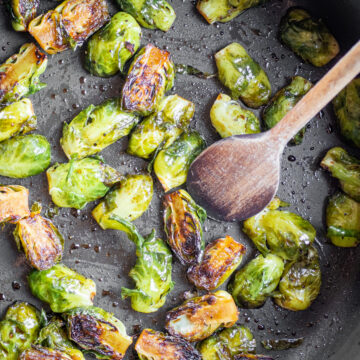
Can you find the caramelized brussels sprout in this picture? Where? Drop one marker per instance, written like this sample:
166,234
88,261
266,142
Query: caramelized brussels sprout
224,10
221,258
112,46
172,164
20,74
229,118
78,182
154,345
347,110
62,288
161,128
43,353
300,283
227,343
243,76
343,221
129,200
152,271
283,101
24,155
40,239
98,332
346,168
256,281
199,317
18,329
282,233
154,14
307,37
22,12
95,128
150,76
182,220
14,203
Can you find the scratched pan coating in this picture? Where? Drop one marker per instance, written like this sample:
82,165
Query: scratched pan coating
330,326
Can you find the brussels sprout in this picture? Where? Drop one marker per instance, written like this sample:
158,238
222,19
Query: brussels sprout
98,332
243,75
69,24
172,164
43,353
256,281
307,37
95,128
224,10
54,336
229,118
161,128
20,74
283,101
182,220
300,283
346,168
22,12
14,203
62,288
252,357
111,47
24,155
129,200
154,345
78,182
153,14
18,330
347,109
221,258
150,76
281,232
199,317
343,221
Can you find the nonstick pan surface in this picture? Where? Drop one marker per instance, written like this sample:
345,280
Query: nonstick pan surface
331,326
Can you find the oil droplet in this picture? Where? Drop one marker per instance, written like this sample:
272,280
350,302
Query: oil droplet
292,158
15,285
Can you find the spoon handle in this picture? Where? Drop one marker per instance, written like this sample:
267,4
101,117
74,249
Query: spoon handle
318,97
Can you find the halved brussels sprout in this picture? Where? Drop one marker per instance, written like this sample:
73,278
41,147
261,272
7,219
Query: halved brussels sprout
18,330
307,37
154,14
150,76
20,74
227,343
129,200
95,128
62,288
24,155
282,233
229,118
22,12
346,168
243,76
14,203
172,164
300,283
43,353
154,345
256,281
111,47
347,109
98,332
78,182
221,258
283,101
40,240
343,221
224,10
199,317
182,221
161,128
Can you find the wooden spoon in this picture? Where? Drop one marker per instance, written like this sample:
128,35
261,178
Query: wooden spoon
237,177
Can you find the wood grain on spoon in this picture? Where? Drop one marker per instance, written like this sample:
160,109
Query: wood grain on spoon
236,177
